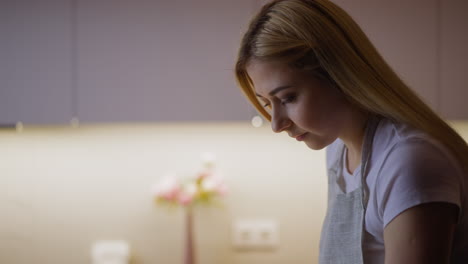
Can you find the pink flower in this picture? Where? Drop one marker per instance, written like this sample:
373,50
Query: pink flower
168,189
214,183
188,194
185,199
222,189
203,186
205,173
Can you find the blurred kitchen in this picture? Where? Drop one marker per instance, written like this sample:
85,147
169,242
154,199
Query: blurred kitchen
99,99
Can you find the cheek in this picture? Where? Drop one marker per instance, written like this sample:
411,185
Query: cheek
311,112
319,115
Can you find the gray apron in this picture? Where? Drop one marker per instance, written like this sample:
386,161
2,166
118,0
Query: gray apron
343,228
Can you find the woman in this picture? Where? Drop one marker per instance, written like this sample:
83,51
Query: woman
397,172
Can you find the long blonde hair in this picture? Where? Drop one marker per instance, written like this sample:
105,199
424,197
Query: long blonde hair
321,35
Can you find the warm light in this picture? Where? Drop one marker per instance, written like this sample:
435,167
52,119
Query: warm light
74,122
257,121
19,127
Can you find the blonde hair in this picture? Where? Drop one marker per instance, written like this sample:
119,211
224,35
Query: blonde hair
322,36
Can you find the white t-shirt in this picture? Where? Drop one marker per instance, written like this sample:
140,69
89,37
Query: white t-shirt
406,168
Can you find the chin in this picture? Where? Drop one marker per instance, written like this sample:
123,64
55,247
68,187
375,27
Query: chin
319,143
315,145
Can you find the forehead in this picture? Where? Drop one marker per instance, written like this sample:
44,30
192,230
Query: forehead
266,76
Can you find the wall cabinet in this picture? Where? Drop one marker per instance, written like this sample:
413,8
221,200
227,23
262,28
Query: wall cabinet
425,42
35,61
405,33
454,59
160,60
130,61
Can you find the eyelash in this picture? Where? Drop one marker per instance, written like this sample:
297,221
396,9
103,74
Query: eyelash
288,99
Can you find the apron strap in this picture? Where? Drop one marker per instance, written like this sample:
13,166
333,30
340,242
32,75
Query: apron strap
371,127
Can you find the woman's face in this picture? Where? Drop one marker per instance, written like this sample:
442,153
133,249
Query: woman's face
307,108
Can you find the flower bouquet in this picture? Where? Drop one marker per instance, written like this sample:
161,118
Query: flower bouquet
204,187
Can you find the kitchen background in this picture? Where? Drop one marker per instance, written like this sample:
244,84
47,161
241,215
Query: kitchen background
99,98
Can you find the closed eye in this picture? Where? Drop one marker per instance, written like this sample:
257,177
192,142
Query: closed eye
288,99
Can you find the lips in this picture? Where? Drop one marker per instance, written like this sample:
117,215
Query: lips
300,137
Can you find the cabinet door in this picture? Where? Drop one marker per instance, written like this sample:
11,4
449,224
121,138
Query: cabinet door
160,60
405,33
454,59
35,61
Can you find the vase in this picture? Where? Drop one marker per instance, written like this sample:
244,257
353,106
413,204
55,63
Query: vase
189,254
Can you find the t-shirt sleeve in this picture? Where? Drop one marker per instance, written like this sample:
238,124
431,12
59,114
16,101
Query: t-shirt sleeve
416,172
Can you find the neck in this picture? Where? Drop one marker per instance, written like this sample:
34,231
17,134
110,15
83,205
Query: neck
353,136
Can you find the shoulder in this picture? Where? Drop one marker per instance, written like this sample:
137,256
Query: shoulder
405,148
413,169
401,146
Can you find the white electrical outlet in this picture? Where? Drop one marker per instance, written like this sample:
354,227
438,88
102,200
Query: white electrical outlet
255,234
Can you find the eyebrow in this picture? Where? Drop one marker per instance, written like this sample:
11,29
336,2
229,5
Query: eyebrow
276,90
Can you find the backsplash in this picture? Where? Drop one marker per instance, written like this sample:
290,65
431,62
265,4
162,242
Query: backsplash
62,188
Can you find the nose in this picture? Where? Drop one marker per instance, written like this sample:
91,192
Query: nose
279,123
